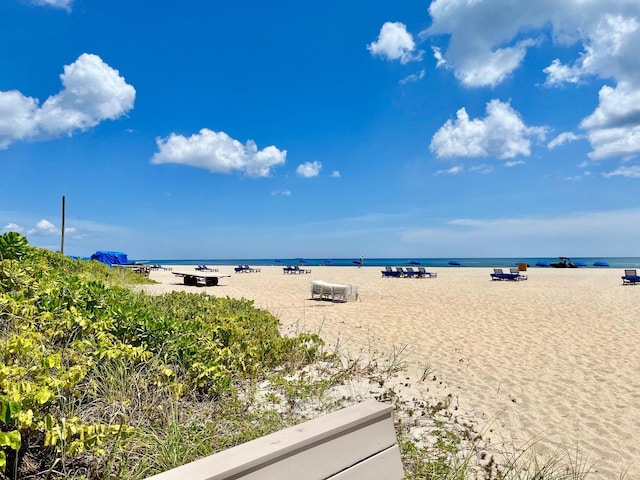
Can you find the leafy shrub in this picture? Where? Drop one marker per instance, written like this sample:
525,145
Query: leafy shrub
13,246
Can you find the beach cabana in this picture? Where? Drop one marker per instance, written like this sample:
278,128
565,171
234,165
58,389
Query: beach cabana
111,258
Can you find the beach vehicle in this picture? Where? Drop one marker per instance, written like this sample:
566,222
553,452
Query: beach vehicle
563,262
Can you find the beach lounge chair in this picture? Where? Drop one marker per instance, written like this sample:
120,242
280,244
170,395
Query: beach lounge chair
388,272
400,271
410,272
630,277
422,273
288,269
241,269
498,274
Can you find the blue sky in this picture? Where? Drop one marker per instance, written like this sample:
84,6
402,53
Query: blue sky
254,129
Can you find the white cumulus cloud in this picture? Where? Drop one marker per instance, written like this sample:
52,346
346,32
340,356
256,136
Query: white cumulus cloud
309,169
395,43
485,41
45,227
501,133
218,153
92,92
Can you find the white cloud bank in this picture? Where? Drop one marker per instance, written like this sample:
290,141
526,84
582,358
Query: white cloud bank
218,153
488,41
501,133
92,92
395,43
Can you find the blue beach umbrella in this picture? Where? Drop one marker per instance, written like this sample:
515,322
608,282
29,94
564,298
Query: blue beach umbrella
278,260
454,263
542,264
413,262
580,264
600,264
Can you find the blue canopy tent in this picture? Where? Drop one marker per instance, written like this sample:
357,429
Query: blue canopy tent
111,258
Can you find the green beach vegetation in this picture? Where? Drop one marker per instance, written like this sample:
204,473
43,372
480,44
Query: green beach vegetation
100,381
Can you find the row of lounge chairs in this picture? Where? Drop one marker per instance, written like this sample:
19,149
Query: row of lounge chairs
246,269
407,272
294,269
513,274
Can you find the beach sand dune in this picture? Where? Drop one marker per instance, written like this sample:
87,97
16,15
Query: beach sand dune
552,361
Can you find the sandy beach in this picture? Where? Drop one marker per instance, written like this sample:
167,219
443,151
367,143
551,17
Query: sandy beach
552,361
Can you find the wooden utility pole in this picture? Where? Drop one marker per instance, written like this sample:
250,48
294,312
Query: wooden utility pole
62,230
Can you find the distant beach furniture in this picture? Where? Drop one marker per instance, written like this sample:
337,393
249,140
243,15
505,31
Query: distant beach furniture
336,292
134,267
454,263
422,273
388,272
204,268
246,269
630,277
600,264
200,279
514,274
407,272
158,267
294,269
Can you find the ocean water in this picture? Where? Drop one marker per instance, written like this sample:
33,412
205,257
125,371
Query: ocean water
586,262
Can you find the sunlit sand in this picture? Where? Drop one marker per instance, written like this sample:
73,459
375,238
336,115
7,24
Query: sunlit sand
553,360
